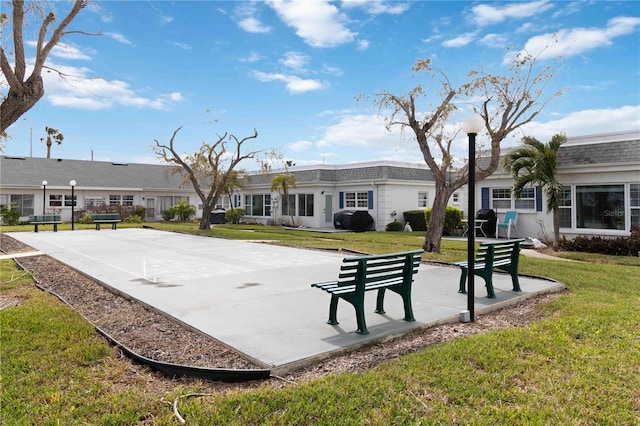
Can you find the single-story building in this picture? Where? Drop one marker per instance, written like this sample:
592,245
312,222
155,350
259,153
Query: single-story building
601,174
601,196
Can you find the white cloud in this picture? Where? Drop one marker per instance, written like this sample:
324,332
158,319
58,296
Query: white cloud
295,60
494,40
587,122
318,23
183,46
571,42
78,90
484,14
363,44
119,38
252,25
377,7
460,41
331,70
293,83
253,57
300,146
358,130
65,51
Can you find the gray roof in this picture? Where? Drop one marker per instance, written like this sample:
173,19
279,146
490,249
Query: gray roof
348,174
600,153
31,171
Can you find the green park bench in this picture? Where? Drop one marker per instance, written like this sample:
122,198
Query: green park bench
37,220
100,218
393,271
503,255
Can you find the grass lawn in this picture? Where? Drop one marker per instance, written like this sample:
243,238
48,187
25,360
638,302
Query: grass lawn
579,365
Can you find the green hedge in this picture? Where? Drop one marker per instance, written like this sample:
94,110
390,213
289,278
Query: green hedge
620,246
416,219
452,220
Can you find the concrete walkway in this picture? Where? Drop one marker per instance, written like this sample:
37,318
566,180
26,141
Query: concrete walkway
256,297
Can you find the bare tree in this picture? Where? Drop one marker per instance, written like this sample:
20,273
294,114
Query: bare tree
25,91
509,103
208,170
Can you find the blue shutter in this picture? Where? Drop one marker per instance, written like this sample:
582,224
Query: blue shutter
370,206
485,198
538,198
341,200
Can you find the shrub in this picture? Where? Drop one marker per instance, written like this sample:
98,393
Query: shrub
169,214
85,219
416,218
10,214
133,219
452,219
620,246
184,210
234,215
394,226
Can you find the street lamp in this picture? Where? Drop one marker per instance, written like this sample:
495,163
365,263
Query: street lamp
44,196
73,202
471,126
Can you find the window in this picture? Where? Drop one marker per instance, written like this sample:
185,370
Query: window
634,203
68,201
55,200
423,199
564,207
600,207
501,198
93,202
24,203
527,200
258,204
305,204
289,205
168,201
356,199
121,200
456,198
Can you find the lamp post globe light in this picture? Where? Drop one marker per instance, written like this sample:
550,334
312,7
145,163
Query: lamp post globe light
73,202
471,126
44,196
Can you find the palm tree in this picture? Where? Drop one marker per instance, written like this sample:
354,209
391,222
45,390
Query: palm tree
283,182
535,163
57,137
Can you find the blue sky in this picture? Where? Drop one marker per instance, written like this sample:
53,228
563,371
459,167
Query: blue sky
292,69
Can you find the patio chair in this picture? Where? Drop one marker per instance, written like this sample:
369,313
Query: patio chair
510,221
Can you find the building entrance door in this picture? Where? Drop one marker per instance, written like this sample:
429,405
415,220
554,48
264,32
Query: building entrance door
328,208
150,213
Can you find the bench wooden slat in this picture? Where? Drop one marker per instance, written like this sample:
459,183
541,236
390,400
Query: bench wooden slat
393,271
503,255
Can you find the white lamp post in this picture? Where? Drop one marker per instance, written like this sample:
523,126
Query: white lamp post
73,202
471,126
44,196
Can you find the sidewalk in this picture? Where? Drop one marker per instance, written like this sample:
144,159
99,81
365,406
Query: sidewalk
256,297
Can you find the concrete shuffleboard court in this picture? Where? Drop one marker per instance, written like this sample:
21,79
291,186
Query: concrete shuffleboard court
256,297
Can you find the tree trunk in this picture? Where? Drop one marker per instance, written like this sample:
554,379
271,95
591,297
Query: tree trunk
556,227
19,102
435,227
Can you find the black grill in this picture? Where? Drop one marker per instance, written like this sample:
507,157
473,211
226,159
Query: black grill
355,220
489,227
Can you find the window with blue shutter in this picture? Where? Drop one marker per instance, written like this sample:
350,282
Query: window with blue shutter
538,198
485,197
341,200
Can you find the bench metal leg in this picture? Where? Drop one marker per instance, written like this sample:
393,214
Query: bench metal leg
55,227
333,308
463,281
380,301
113,225
35,228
